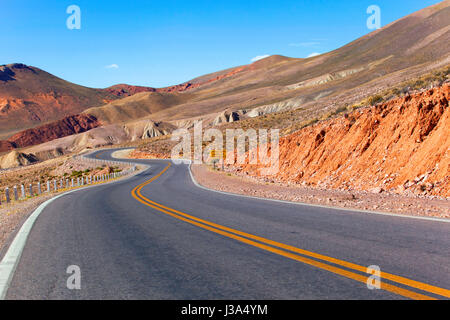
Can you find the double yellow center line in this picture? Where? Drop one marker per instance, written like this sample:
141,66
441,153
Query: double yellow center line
326,263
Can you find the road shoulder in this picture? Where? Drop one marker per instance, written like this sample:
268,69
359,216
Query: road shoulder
354,200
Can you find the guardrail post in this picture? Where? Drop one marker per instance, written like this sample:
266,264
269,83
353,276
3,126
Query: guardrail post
39,188
31,190
22,190
8,199
78,182
16,195
55,186
48,186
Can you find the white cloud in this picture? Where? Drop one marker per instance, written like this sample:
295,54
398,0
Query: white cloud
314,54
112,66
259,58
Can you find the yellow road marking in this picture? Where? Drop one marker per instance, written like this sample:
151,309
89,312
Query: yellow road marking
136,193
99,154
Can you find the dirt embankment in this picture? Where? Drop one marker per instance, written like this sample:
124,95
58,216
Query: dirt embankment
401,146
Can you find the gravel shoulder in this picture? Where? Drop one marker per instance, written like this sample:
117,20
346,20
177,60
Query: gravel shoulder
362,200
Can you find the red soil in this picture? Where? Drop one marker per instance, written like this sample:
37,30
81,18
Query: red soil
402,145
65,127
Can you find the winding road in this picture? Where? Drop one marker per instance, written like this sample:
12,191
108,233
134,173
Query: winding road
157,235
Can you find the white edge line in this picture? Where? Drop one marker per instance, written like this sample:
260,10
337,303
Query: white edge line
316,205
11,259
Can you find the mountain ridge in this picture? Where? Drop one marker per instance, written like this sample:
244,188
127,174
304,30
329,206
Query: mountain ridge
406,48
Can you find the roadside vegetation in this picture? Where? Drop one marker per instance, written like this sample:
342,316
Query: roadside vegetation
433,79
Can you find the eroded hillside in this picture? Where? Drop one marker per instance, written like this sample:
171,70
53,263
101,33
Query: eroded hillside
402,145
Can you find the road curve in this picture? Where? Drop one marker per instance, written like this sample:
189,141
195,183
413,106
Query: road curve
158,236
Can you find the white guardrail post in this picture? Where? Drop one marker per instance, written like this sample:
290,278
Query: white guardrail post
66,183
16,195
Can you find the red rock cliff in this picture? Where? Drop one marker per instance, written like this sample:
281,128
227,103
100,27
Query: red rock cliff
58,129
402,145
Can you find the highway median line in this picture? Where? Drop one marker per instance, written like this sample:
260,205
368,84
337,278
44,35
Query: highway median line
269,246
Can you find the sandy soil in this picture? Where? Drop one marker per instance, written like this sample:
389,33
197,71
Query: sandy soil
384,202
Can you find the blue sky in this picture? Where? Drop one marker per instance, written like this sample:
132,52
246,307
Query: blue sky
161,43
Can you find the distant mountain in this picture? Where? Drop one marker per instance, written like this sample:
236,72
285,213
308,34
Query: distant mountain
404,49
407,48
30,96
65,127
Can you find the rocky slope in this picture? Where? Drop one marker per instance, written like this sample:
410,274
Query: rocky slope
402,145
404,49
30,97
58,129
407,48
16,159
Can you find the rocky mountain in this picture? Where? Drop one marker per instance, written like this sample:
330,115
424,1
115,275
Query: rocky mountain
51,131
402,50
30,96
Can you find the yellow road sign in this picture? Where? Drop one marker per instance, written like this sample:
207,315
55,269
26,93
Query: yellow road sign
214,154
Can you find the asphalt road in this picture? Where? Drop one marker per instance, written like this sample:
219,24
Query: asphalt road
159,236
